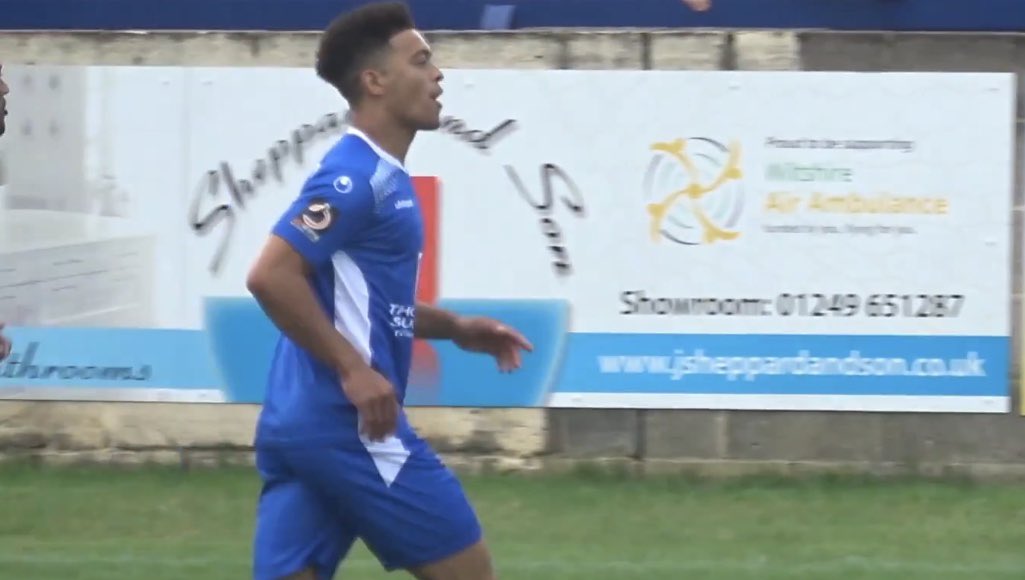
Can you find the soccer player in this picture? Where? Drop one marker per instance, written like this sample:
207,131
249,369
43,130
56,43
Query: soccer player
5,343
337,457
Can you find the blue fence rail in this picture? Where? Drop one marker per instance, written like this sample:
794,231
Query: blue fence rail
904,15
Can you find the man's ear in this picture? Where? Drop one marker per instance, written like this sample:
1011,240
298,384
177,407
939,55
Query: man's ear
374,75
372,80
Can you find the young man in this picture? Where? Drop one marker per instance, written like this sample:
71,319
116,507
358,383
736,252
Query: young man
5,343
336,454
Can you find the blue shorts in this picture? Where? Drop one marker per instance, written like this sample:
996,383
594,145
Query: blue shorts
403,502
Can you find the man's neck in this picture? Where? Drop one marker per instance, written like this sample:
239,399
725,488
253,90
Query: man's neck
395,140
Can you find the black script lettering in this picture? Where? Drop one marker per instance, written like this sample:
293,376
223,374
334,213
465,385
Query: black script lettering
302,137
238,188
549,171
265,170
560,260
545,206
210,186
483,141
278,152
550,228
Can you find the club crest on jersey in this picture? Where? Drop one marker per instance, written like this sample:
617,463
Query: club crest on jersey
317,217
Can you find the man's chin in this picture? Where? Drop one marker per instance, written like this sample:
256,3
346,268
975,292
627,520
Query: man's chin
432,126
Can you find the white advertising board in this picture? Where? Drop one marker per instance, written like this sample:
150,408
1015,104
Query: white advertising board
783,240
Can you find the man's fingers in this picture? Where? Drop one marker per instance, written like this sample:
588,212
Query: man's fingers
380,422
523,343
509,359
376,421
366,414
390,416
381,427
520,340
381,417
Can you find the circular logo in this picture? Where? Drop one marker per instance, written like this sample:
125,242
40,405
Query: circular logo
693,191
343,184
317,216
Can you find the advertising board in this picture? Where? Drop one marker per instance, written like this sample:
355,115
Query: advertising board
667,239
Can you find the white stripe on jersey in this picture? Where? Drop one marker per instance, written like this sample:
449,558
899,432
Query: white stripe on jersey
352,320
352,304
384,181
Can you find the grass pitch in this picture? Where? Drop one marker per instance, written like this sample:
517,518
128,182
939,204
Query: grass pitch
163,524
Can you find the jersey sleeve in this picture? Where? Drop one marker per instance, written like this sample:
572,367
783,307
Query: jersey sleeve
333,212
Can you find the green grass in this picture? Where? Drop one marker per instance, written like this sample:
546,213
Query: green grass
111,524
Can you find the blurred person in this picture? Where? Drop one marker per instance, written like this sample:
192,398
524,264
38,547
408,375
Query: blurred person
4,91
698,5
5,343
336,454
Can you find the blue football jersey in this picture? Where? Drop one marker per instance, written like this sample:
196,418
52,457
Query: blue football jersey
358,223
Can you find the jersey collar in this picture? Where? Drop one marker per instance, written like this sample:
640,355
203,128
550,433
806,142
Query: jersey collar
377,149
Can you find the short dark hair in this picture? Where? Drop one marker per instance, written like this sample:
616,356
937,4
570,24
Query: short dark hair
355,37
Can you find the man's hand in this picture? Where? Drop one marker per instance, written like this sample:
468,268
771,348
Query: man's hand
5,344
492,337
698,5
374,398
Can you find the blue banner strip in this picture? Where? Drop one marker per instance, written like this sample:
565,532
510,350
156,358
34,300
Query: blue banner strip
109,357
234,354
787,364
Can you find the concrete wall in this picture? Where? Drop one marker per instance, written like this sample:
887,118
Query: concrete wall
714,442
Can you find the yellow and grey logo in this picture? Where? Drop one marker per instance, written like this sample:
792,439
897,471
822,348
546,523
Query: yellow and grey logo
694,191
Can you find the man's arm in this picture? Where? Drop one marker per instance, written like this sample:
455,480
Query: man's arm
474,334
322,221
278,280
435,323
5,344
